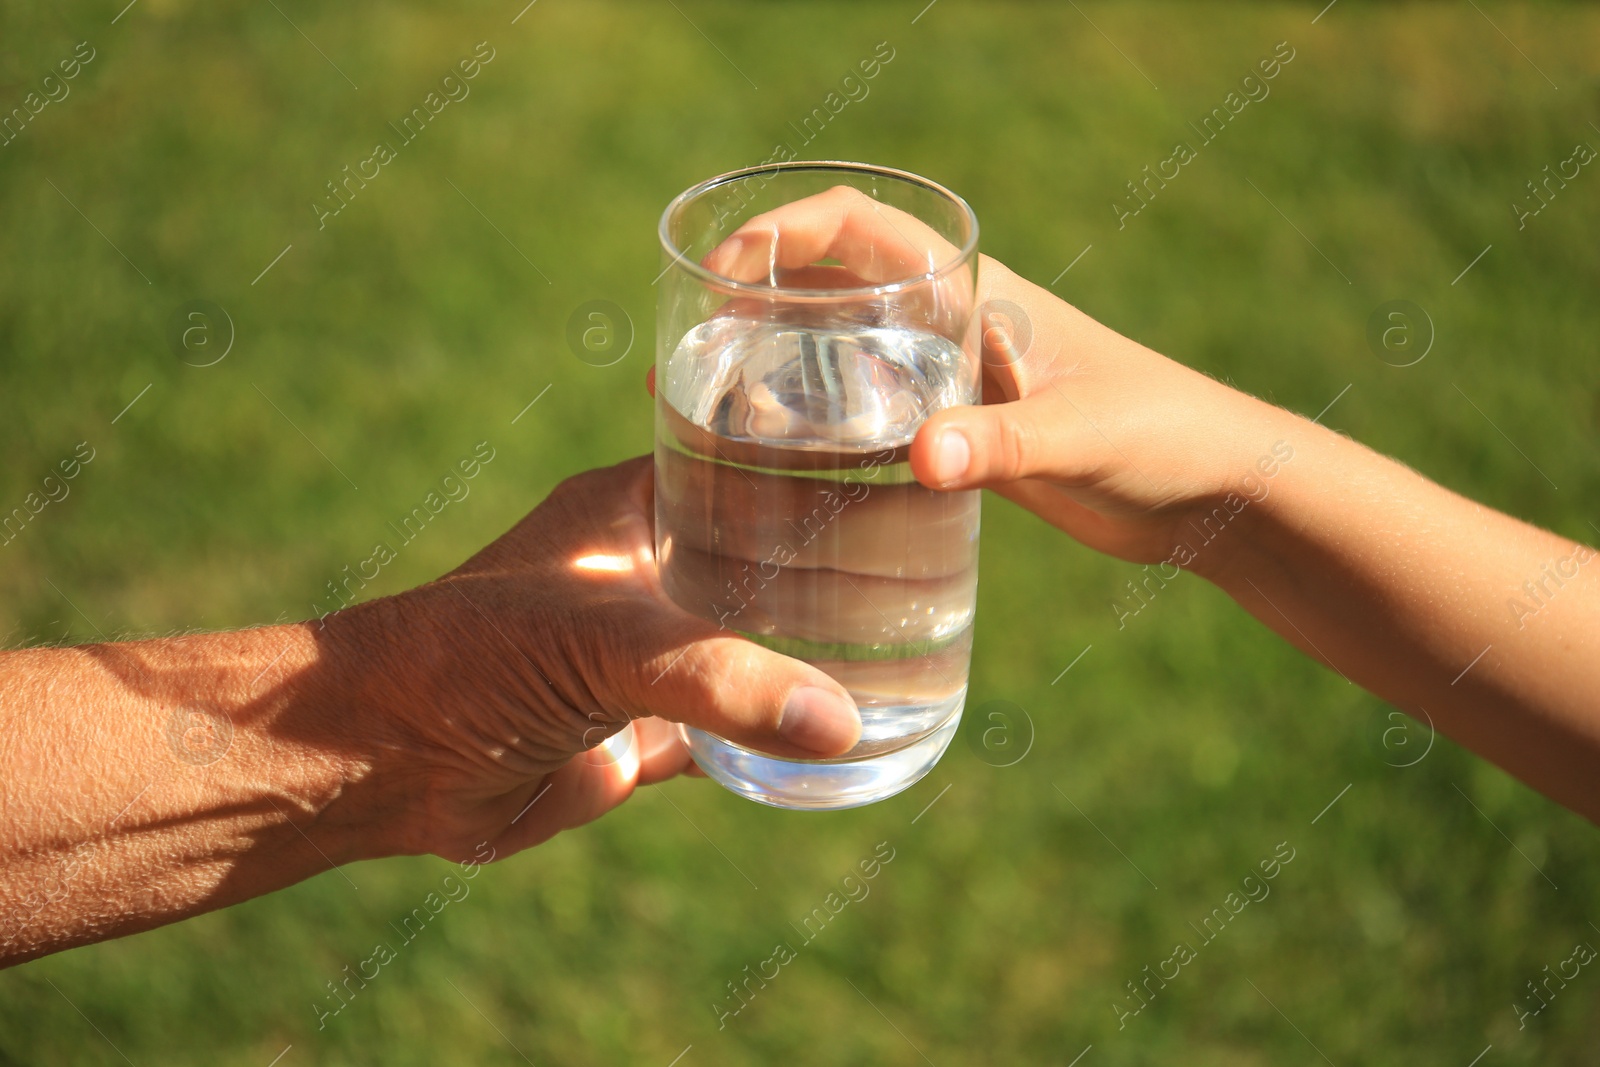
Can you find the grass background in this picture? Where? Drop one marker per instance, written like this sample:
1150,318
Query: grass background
1007,924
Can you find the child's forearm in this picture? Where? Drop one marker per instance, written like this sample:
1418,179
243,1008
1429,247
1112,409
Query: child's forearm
1484,625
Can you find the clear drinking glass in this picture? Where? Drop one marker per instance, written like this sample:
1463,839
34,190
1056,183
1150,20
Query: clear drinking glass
811,316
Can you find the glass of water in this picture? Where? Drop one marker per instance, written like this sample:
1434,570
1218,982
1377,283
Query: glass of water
811,317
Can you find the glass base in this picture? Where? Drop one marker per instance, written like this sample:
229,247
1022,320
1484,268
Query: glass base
820,785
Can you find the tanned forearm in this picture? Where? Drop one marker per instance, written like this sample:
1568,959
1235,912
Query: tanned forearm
145,781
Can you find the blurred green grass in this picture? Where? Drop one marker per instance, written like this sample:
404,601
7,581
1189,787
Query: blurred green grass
410,329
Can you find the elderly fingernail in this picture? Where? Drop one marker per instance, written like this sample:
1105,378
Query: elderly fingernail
817,720
951,457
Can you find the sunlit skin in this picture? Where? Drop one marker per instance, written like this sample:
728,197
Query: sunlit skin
1479,624
466,715
147,781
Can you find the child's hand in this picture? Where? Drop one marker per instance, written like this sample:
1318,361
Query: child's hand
1115,444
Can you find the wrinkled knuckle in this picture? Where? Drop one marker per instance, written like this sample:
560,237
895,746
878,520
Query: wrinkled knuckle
726,695
705,674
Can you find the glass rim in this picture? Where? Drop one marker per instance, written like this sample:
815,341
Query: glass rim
963,256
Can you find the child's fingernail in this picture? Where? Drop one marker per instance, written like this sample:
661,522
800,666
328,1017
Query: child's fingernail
952,456
727,255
